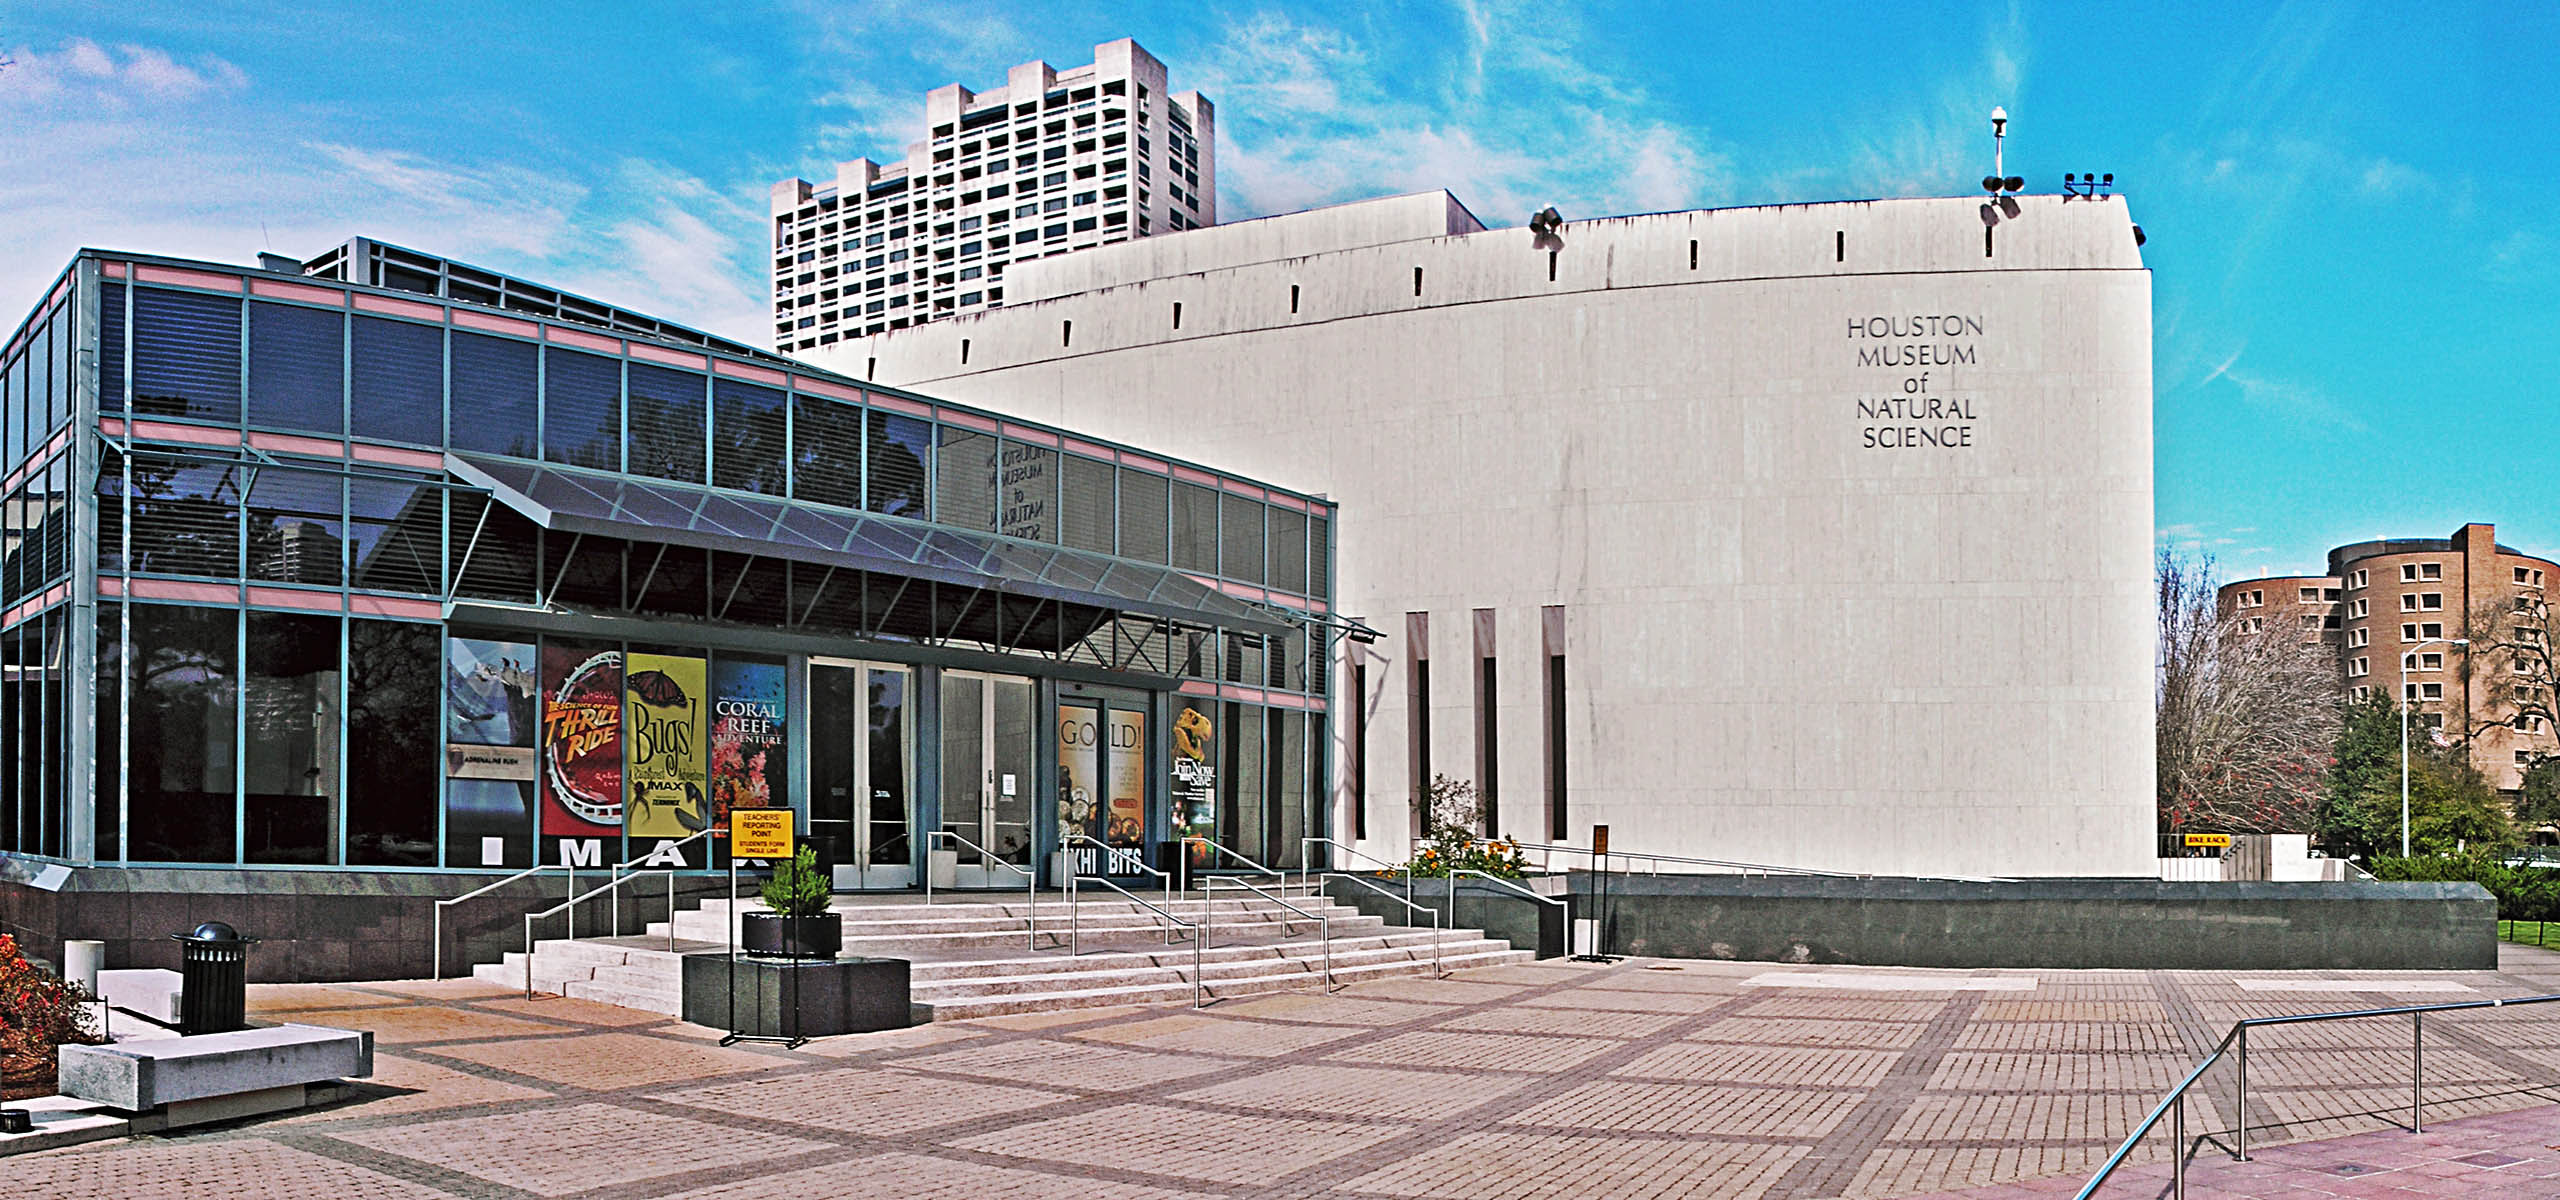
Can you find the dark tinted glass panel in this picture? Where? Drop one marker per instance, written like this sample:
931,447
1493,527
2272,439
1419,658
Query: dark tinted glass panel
746,437
1289,786
56,746
399,382
38,364
54,502
12,422
1142,515
666,423
1243,807
393,530
392,751
492,551
1085,504
111,347
184,703
296,530
1319,556
109,793
1288,550
63,375
888,735
13,686
1195,528
290,706
582,409
296,360
186,355
186,519
826,451
1027,493
899,448
1242,531
964,479
496,395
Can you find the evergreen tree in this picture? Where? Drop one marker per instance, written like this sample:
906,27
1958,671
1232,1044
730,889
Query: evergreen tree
2360,806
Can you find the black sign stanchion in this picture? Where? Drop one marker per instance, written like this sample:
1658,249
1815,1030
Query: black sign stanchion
791,931
1600,905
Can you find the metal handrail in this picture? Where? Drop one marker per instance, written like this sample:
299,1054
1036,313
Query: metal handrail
1030,881
1305,872
1258,867
1107,848
1546,851
1075,927
478,892
671,883
1209,916
571,904
2174,1105
1407,901
1498,882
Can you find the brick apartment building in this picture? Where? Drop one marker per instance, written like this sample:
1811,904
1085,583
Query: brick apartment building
2467,619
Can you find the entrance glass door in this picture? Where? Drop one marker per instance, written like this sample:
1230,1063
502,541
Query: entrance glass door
859,766
1102,792
987,786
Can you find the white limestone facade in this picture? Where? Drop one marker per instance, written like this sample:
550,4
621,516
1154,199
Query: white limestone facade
1839,514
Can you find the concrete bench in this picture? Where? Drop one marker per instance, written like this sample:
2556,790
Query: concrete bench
147,992
216,1076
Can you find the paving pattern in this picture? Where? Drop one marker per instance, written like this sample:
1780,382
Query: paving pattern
1642,1078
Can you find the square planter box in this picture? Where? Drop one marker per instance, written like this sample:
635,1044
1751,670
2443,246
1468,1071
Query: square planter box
833,996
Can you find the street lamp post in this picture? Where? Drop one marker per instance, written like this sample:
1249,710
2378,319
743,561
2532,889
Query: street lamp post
2407,653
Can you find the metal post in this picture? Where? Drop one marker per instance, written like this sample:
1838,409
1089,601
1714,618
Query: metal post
1031,894
2404,752
2417,1072
2243,1149
671,912
2178,1148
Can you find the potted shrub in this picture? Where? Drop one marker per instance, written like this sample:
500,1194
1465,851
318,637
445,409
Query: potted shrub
800,925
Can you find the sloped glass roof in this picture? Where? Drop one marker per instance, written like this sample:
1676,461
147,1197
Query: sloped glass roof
610,505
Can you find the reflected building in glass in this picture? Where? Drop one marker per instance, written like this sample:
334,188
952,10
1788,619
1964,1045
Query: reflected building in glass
327,584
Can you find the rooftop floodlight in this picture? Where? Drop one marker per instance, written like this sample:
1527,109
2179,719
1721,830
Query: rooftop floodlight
1990,214
1546,220
1991,184
1999,121
2014,183
2008,206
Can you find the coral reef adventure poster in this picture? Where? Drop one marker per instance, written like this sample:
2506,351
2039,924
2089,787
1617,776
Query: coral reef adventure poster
747,736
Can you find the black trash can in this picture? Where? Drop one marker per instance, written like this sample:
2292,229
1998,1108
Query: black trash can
213,979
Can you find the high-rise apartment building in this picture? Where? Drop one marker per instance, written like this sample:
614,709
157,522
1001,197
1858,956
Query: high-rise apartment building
2458,627
1049,162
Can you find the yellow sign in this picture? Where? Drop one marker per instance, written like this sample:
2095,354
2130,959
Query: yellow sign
760,832
2211,841
1599,839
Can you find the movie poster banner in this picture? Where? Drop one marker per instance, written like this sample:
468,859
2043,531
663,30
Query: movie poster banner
748,736
668,789
581,742
1195,779
1127,735
491,764
1079,778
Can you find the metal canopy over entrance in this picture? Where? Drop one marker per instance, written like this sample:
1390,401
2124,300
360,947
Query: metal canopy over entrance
590,502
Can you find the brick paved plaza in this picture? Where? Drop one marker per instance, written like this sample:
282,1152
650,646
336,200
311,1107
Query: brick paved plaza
1634,1079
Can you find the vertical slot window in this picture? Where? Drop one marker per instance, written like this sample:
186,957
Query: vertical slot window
1488,725
1551,634
1417,651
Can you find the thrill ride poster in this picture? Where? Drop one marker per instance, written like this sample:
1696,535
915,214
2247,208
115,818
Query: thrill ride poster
581,740
747,732
667,783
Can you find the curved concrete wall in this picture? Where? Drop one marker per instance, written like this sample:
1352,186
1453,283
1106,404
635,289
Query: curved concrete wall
1851,519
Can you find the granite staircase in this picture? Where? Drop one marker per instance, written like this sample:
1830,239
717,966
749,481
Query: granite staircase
980,957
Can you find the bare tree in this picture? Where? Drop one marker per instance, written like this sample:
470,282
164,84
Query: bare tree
2248,715
2513,661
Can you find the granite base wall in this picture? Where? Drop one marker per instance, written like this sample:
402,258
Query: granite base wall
2135,924
312,926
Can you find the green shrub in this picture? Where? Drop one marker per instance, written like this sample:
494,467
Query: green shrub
798,888
2523,893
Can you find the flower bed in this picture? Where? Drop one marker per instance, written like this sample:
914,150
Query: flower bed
38,1014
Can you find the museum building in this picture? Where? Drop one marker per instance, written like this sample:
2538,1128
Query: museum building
347,574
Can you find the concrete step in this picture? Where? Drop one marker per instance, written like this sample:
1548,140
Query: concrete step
1294,960
1017,964
1180,992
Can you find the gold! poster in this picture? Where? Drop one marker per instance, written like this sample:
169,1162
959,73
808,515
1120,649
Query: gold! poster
665,740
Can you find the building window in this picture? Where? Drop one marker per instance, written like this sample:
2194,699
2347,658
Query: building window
2408,602
2408,633
1551,637
2430,631
2431,601
2360,608
2360,636
2430,571
1417,657
1488,724
2359,579
2527,577
1357,751
2359,668
2309,595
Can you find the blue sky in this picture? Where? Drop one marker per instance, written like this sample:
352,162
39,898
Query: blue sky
2355,254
